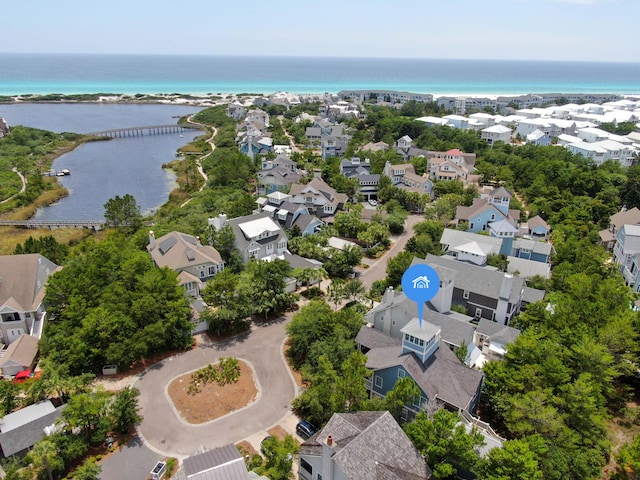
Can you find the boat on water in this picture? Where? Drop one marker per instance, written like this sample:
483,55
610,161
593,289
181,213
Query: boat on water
63,172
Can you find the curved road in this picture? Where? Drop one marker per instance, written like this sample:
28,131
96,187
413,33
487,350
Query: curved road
262,347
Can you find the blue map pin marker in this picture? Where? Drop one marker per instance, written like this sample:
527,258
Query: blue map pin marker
420,283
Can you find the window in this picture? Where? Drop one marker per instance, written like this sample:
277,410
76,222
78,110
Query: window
478,312
378,381
306,466
212,271
401,373
202,273
465,294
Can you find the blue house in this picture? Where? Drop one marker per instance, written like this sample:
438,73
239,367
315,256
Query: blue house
487,209
506,231
438,373
532,250
538,228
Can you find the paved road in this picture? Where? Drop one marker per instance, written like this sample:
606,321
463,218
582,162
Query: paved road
165,432
134,461
378,270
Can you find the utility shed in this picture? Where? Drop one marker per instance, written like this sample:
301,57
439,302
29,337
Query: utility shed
20,430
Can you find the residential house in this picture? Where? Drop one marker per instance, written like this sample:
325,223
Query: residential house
236,111
195,263
526,269
318,197
457,121
404,176
334,146
492,338
257,235
19,356
404,146
222,463
603,151
22,290
482,118
625,254
484,292
292,216
496,133
21,430
361,170
361,446
538,228
452,165
469,247
4,128
616,221
489,208
538,137
531,250
375,147
276,177
396,311
419,354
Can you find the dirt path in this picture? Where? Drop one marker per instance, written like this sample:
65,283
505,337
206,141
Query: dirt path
202,173
24,185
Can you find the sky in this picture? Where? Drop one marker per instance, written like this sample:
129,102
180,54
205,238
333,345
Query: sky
566,30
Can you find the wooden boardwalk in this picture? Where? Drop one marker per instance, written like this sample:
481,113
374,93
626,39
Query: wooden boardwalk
92,224
146,130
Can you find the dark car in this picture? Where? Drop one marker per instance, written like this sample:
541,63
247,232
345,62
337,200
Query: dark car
305,429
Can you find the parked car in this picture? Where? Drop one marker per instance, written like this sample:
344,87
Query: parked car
373,202
25,375
305,429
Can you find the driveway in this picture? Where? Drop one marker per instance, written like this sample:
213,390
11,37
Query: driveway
378,269
133,461
165,432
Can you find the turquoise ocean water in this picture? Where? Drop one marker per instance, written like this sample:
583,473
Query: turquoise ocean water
148,74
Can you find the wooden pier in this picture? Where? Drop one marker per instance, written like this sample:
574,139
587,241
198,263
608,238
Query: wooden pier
147,130
92,224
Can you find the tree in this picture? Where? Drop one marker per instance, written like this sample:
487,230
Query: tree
123,212
224,241
396,267
44,459
444,442
628,459
89,470
124,410
353,290
514,461
279,457
89,413
46,246
268,281
404,392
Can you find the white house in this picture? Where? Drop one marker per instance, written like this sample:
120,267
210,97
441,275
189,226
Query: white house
497,133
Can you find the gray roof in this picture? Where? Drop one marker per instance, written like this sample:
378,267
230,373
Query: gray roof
479,280
22,429
528,268
497,332
455,238
532,295
223,463
177,251
442,376
535,246
22,280
538,221
241,241
22,351
369,446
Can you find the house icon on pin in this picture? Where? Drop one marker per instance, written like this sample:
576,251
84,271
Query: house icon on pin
421,282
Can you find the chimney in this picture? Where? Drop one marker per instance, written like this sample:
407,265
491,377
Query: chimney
198,241
329,441
152,240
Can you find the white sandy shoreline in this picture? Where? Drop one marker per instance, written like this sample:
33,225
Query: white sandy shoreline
209,99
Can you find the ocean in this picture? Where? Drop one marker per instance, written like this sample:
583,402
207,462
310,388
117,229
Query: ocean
196,74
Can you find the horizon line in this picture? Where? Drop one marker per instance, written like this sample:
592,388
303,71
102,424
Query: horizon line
332,57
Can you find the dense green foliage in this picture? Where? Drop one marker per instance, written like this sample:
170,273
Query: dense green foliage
110,305
123,211
46,246
30,151
444,442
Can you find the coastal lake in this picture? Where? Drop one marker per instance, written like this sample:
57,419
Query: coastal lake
103,169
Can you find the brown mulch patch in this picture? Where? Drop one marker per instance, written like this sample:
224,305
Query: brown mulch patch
278,432
213,401
246,448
